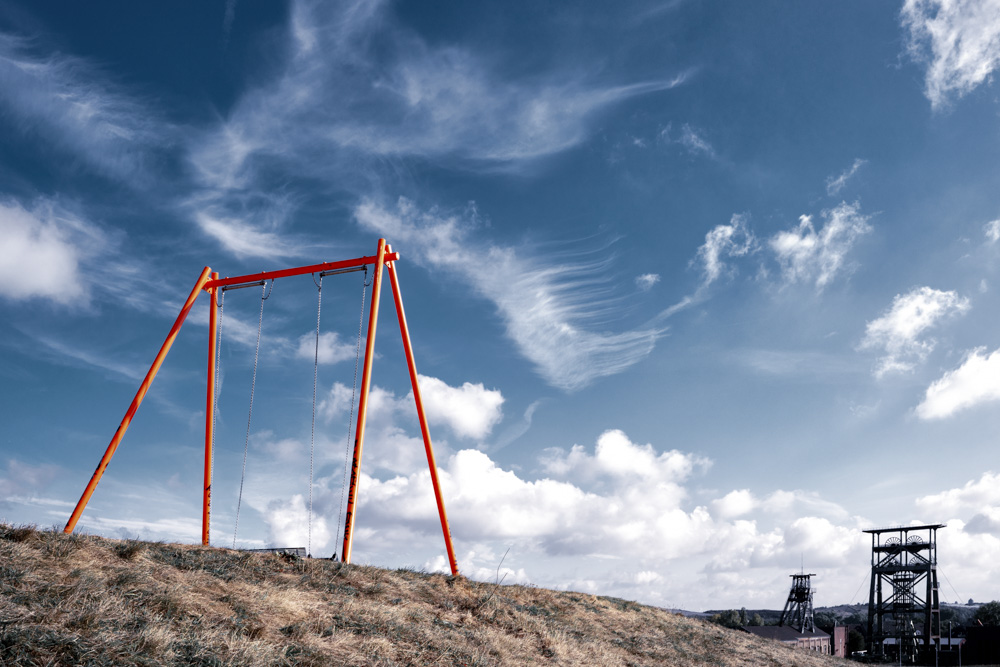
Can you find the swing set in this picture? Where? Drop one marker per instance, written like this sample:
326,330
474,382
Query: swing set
216,287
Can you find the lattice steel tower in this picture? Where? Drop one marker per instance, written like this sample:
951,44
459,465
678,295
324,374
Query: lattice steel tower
903,605
798,611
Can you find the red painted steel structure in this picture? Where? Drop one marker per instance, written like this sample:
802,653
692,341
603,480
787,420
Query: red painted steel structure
411,365
211,283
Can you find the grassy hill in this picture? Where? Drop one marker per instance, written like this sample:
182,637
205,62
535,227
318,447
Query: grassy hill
83,600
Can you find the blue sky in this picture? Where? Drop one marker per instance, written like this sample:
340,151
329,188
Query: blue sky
698,291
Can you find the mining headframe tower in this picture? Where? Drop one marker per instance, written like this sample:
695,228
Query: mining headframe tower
904,613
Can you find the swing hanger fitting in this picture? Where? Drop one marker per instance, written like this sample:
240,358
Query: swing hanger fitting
324,274
257,283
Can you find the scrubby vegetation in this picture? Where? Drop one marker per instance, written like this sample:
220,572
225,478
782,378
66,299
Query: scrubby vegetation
83,600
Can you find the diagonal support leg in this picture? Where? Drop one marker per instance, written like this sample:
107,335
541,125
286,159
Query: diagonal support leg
424,430
137,401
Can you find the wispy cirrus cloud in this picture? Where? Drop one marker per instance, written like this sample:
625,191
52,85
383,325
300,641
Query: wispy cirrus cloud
808,255
974,382
243,240
834,184
337,99
354,89
551,311
689,137
899,331
70,103
80,355
957,40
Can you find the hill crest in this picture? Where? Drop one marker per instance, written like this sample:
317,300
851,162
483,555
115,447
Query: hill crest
78,599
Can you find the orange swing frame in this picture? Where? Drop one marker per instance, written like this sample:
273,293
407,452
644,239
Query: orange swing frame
210,282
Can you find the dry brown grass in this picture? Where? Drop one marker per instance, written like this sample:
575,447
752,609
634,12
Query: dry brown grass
81,600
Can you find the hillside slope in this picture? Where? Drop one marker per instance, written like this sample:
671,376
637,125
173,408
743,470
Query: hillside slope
83,600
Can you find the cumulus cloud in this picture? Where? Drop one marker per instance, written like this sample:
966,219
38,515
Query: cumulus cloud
810,256
723,242
835,184
646,281
899,331
550,309
734,504
288,525
471,411
627,506
50,237
975,382
972,533
957,40
331,349
975,495
616,456
992,230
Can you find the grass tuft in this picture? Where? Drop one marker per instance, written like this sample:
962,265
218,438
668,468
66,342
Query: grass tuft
129,549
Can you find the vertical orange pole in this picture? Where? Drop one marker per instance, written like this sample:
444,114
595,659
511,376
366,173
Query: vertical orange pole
424,430
136,402
213,331
359,436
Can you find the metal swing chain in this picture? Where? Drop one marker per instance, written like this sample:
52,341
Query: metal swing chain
312,431
265,293
350,419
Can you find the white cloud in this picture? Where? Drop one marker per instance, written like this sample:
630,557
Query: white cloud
616,456
722,242
108,362
331,349
992,230
694,142
835,184
975,382
389,445
70,103
808,255
339,97
25,479
549,308
243,240
42,253
958,41
626,507
734,504
971,538
975,495
898,332
471,411
288,525
646,281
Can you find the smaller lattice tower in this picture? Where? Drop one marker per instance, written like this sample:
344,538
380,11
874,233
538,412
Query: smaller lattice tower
798,611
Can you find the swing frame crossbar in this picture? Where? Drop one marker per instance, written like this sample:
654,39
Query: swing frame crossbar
210,282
